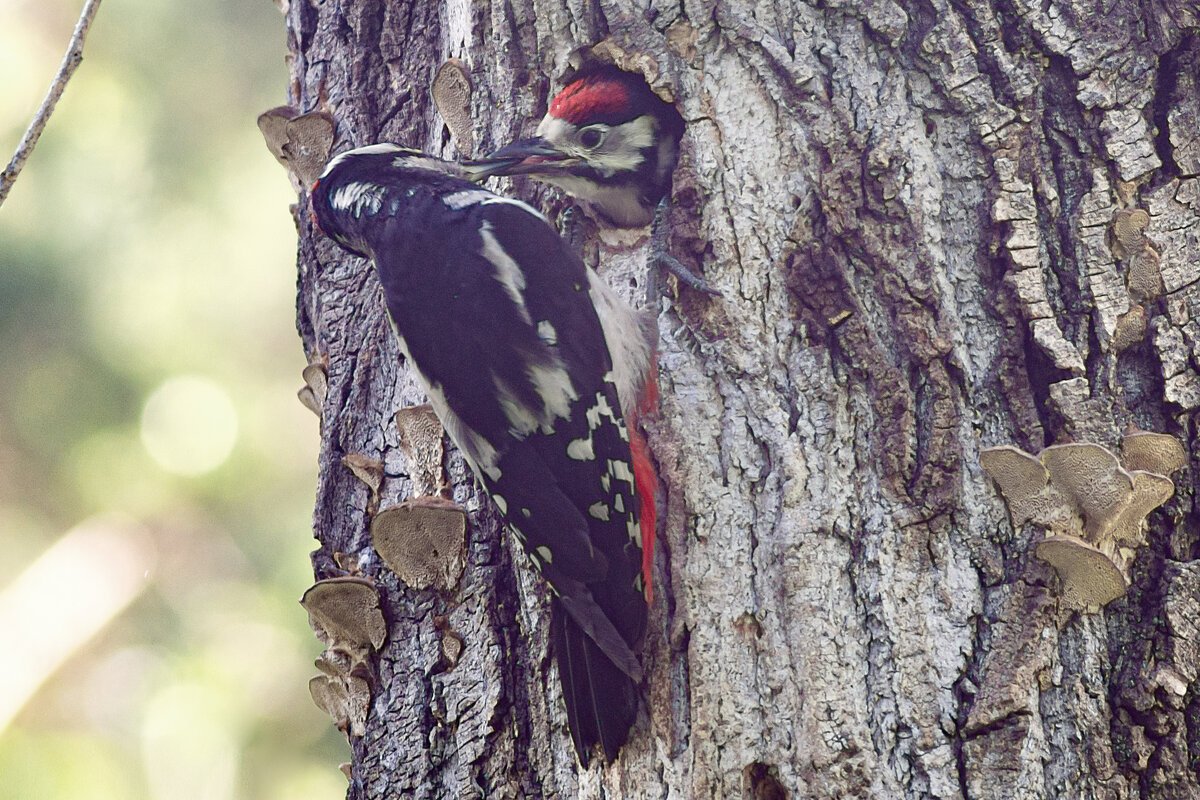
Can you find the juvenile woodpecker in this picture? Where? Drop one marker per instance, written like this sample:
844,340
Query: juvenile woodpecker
610,142
528,360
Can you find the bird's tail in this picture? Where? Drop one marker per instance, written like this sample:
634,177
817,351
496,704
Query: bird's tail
601,699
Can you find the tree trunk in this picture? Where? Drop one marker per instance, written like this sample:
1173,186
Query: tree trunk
909,209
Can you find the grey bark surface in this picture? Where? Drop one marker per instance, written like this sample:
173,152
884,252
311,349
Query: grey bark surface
908,209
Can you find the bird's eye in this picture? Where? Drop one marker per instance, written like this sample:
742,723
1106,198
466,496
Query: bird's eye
591,137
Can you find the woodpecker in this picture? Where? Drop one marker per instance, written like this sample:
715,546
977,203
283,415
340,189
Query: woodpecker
528,359
610,142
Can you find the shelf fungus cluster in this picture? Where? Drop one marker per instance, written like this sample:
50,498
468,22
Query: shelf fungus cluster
1091,504
344,613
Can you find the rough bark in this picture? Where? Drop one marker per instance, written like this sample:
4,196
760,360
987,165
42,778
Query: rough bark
908,208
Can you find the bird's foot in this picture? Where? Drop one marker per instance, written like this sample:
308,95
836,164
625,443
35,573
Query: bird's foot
659,257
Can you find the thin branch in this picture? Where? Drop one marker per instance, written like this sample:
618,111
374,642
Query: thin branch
70,62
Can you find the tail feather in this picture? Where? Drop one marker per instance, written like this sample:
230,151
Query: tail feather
601,699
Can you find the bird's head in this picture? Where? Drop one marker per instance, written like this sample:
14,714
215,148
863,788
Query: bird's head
607,140
354,183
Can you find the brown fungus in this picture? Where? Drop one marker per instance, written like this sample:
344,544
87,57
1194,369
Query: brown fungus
421,440
451,91
345,699
273,124
316,378
316,386
309,400
1090,577
334,662
300,142
1024,482
1152,452
1130,328
349,563
1145,275
1019,475
423,541
1150,491
1107,502
1091,477
1127,231
452,648
344,613
370,472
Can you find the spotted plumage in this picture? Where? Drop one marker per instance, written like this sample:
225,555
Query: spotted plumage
515,341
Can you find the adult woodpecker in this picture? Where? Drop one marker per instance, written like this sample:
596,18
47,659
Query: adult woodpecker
528,359
611,143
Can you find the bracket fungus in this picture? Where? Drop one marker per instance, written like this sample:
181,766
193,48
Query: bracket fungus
316,386
344,613
1092,507
452,643
1089,576
300,142
370,472
1152,452
451,91
423,541
1024,482
1127,232
1142,261
345,699
1130,328
421,440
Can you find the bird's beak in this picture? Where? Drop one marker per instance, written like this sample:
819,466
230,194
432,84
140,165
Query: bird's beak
520,158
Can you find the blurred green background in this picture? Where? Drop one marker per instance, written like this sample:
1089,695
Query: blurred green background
156,469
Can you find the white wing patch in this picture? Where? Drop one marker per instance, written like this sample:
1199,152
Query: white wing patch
620,470
547,333
599,510
581,449
553,385
482,197
481,456
370,149
469,197
600,409
507,271
634,529
521,420
358,197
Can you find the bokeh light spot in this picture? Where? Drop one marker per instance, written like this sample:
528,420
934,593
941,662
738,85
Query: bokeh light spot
189,425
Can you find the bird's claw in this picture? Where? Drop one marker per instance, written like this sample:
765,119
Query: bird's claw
673,265
660,256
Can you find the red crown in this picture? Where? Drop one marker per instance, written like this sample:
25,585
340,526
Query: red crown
588,98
